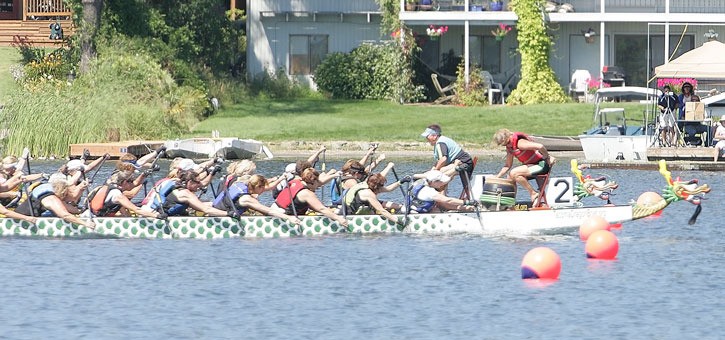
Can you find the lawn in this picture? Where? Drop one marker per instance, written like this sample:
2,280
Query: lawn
8,56
330,120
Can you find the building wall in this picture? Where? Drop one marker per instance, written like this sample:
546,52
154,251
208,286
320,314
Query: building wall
271,22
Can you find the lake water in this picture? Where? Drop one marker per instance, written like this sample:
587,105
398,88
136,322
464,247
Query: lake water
665,284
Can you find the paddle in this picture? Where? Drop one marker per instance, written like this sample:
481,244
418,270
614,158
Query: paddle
26,156
405,197
398,179
464,175
323,169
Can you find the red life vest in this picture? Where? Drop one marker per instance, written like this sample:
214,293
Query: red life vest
524,156
287,195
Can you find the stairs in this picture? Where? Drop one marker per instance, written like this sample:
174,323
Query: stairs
34,31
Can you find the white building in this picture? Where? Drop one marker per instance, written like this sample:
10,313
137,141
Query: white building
295,35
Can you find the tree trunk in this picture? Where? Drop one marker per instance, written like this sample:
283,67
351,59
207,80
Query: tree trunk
89,28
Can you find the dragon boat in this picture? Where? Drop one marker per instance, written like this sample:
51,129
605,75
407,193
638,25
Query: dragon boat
507,222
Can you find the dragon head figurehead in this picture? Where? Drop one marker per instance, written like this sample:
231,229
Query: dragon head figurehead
678,190
587,186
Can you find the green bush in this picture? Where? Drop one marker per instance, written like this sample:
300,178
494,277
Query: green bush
279,86
370,71
474,94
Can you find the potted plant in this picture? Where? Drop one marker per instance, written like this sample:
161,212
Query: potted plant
500,32
475,6
425,4
435,32
496,5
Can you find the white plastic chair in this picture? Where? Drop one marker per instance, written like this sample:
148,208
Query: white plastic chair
579,83
492,87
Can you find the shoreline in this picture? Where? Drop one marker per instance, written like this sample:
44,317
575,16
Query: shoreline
395,150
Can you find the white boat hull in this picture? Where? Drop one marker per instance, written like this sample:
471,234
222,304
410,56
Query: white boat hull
227,148
608,148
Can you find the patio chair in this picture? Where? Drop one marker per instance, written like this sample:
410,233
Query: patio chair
579,83
447,93
492,88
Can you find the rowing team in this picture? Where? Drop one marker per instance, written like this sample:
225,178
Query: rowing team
67,193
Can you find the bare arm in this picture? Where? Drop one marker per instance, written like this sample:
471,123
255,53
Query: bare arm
188,197
311,199
313,158
507,165
54,204
372,199
126,203
252,203
11,214
451,203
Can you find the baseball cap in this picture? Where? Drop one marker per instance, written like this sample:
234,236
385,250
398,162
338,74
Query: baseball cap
436,175
75,164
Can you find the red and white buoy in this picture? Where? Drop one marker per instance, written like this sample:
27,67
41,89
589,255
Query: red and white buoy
541,263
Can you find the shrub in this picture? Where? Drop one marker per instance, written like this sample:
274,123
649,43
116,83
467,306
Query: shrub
474,93
278,86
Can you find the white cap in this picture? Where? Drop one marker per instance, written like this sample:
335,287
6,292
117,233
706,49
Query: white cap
436,175
186,165
291,168
75,164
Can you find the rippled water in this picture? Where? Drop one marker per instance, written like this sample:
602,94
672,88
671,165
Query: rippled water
665,283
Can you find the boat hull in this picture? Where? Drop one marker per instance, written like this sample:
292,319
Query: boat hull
533,222
609,147
228,148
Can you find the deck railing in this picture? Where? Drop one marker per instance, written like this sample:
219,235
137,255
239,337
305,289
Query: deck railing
46,10
589,6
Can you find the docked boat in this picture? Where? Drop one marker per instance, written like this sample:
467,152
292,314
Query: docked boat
617,135
225,147
559,143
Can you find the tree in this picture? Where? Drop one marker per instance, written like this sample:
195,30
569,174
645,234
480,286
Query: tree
538,83
89,27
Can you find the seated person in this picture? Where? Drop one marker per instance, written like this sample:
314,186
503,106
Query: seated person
174,196
110,200
534,157
427,195
718,138
299,196
49,200
240,196
362,198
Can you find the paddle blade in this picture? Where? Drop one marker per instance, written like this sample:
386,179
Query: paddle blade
693,219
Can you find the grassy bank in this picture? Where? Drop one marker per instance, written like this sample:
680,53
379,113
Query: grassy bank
326,120
8,56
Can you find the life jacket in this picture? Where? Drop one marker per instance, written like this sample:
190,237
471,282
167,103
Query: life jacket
158,198
228,199
149,197
420,206
97,201
336,190
524,156
288,196
353,203
453,149
33,206
228,180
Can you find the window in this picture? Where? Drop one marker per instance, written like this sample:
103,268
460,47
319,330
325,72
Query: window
306,52
485,52
631,54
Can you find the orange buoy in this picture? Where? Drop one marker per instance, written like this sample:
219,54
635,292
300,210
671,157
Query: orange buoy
541,263
602,245
592,224
649,198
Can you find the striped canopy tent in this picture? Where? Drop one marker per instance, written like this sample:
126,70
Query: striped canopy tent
704,62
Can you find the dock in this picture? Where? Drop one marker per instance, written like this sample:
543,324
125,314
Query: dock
137,148
653,165
681,154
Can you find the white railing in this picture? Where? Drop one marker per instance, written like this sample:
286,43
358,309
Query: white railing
45,10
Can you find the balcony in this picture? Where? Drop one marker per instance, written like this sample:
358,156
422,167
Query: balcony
583,6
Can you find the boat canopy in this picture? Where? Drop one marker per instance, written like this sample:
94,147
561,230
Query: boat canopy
627,91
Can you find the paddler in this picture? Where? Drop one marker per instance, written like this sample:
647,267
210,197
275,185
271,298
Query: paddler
446,152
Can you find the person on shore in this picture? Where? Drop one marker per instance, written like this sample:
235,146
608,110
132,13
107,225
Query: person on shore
240,196
687,96
299,197
446,151
50,200
719,138
534,157
362,198
109,199
427,194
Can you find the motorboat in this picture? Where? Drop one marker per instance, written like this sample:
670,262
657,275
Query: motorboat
225,147
617,135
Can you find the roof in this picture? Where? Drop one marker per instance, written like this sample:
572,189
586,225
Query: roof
627,91
718,98
704,62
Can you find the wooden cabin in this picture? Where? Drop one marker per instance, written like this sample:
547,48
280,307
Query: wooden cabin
31,20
